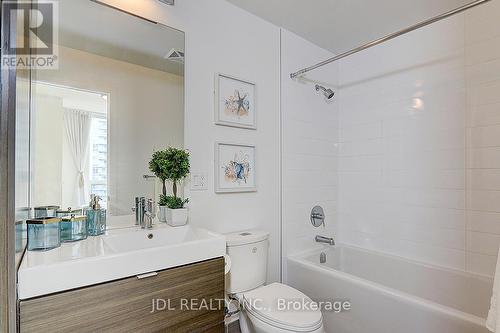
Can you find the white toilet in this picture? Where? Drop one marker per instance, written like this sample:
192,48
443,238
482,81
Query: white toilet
261,312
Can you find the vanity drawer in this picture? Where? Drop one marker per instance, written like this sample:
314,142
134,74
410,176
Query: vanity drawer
126,305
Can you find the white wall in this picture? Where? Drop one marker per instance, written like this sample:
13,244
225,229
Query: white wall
419,160
48,136
309,145
55,176
224,38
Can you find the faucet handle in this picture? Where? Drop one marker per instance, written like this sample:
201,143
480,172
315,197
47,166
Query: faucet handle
150,207
317,216
149,214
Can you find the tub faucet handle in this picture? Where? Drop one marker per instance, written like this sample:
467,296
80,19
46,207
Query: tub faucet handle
317,216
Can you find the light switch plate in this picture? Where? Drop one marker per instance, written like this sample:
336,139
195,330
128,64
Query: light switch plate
199,181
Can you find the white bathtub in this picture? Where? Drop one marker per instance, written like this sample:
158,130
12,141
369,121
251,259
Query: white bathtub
389,294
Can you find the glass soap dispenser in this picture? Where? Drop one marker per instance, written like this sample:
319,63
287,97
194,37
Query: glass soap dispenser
96,217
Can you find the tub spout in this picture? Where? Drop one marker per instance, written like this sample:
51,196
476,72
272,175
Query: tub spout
321,239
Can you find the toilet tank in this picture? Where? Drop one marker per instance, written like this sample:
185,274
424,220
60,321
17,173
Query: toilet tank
248,253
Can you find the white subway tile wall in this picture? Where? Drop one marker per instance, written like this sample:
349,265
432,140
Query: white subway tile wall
419,144
309,146
482,58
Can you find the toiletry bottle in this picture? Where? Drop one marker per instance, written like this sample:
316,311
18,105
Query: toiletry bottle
96,217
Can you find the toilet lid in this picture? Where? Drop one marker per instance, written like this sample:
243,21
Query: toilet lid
268,304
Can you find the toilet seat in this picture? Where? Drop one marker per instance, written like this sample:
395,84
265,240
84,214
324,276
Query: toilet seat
262,303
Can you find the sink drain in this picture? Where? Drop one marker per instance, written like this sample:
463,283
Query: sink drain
150,236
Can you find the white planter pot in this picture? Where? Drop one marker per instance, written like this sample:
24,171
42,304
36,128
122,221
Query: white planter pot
162,216
177,217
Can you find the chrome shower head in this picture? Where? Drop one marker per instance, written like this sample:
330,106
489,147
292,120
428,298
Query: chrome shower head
328,93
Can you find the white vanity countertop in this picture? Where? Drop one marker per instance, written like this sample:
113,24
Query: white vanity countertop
119,254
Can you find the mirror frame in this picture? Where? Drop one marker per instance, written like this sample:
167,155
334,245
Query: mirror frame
8,299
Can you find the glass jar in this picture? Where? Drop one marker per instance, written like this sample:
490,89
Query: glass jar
43,233
96,221
73,228
45,211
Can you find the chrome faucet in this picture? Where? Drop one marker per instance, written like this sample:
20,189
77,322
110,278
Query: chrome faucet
144,212
137,210
149,214
321,239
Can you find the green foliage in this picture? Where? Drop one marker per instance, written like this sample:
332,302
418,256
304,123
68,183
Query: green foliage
170,164
172,202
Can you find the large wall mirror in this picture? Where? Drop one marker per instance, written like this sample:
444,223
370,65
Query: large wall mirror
117,96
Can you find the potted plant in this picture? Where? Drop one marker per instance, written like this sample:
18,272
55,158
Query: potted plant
171,164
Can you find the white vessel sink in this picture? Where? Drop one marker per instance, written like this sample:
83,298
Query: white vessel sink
119,254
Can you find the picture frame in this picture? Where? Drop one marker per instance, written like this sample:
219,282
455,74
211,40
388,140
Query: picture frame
235,102
235,168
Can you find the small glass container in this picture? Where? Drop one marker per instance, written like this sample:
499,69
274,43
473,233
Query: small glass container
73,228
45,211
43,234
96,221
69,212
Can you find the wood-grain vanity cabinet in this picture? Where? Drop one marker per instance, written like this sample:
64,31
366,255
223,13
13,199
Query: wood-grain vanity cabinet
194,293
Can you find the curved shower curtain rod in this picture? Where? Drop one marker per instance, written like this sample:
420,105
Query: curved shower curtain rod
389,37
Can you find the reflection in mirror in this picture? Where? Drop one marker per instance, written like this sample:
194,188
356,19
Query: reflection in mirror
117,96
69,128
